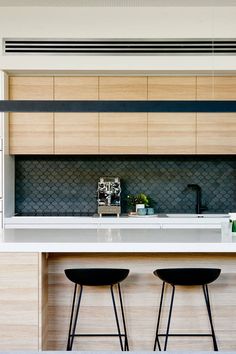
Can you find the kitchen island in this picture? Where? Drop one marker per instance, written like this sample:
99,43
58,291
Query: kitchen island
117,240
36,295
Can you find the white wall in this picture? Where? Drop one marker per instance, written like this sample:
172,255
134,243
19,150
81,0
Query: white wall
117,22
7,174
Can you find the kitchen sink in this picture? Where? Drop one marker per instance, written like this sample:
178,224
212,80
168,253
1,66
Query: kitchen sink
196,215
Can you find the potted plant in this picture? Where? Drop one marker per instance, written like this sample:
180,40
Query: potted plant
137,201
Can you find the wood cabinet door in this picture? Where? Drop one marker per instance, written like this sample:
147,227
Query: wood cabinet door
216,87
30,88
76,133
19,302
122,88
216,133
171,87
172,133
76,88
31,133
123,133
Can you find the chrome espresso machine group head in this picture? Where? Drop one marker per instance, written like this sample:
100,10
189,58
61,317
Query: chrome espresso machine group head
109,191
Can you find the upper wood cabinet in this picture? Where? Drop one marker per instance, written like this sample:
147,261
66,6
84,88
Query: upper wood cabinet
171,87
31,133
76,88
172,133
123,133
216,133
76,133
30,88
122,88
216,87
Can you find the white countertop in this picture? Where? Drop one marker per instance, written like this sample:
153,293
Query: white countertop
116,240
152,222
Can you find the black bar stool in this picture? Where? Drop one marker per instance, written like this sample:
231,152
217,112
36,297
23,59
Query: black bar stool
185,277
97,277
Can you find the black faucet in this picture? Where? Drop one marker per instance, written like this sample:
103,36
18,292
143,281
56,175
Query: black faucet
199,206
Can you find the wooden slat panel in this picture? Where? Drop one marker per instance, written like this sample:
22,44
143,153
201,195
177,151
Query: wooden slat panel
171,133
76,133
76,88
216,87
171,88
30,88
43,301
31,133
216,133
123,133
122,88
19,301
141,294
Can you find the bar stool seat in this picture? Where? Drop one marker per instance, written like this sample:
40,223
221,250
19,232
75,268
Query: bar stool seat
185,277
188,276
97,277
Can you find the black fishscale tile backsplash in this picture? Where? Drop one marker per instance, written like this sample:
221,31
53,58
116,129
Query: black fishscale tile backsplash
67,184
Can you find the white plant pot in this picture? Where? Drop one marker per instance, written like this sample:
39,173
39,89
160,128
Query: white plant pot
139,206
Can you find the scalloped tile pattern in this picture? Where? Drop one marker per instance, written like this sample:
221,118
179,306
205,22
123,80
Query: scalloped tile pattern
67,184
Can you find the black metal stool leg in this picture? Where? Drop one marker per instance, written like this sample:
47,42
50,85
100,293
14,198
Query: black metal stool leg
169,318
207,299
157,342
72,335
123,318
117,320
71,317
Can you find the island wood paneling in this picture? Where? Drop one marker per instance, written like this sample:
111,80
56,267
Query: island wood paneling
171,133
123,133
172,87
19,301
141,294
216,133
76,133
43,301
122,88
31,133
216,87
76,88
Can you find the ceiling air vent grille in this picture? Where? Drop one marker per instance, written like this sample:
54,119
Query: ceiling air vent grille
120,46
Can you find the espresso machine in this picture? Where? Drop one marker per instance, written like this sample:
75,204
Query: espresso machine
108,196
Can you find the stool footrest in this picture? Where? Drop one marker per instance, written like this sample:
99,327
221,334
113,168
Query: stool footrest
186,335
96,335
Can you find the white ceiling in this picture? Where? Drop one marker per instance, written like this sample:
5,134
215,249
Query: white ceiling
120,3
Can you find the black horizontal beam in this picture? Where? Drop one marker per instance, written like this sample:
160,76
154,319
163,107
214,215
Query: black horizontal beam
117,106
127,51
